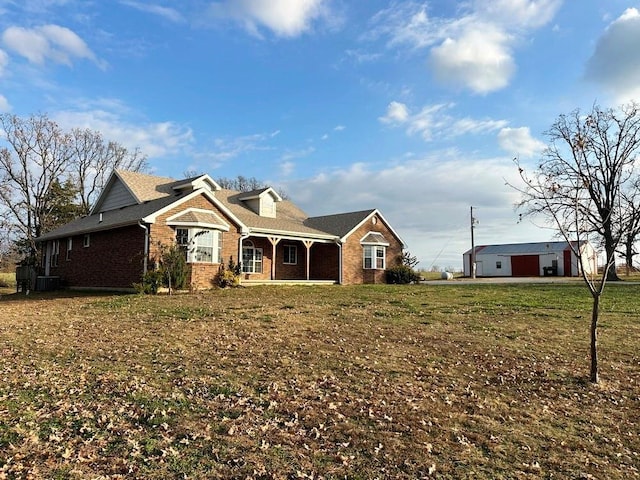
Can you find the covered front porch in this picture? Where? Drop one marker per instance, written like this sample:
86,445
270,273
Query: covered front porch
286,259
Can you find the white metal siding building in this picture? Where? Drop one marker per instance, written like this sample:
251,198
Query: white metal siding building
530,260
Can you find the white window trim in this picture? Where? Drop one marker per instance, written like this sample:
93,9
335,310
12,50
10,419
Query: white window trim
374,256
202,225
250,267
86,241
192,245
69,248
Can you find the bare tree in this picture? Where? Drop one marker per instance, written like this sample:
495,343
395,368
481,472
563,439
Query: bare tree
48,175
246,184
240,183
37,155
94,159
631,222
409,260
590,159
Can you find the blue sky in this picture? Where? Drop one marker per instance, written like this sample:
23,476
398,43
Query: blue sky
414,108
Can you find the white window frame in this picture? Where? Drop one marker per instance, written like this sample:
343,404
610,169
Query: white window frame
252,258
203,245
290,255
376,255
69,248
86,241
55,253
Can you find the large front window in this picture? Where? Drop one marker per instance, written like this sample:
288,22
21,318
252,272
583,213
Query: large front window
374,257
200,244
251,258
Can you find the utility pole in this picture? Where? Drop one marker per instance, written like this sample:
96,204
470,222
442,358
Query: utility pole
473,247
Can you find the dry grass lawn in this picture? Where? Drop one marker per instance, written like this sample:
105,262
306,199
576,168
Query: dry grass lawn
455,381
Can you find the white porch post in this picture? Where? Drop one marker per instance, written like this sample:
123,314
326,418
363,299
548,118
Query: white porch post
274,241
307,244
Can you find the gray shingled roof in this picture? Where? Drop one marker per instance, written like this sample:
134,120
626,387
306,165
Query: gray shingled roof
339,224
157,193
289,217
148,187
200,217
111,219
375,238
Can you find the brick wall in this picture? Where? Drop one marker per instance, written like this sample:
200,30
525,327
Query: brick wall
202,274
325,261
113,259
295,271
352,254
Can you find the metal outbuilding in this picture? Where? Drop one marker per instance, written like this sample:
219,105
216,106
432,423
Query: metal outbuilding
531,260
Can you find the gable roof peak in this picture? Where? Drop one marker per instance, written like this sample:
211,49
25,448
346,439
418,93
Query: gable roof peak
259,193
194,183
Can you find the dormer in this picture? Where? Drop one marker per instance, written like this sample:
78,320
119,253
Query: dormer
263,201
203,181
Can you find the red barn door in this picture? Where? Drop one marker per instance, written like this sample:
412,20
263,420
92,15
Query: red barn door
567,263
525,266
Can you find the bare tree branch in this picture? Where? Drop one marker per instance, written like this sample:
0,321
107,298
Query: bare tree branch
586,184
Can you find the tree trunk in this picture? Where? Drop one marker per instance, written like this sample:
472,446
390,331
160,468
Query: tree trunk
610,250
593,376
629,255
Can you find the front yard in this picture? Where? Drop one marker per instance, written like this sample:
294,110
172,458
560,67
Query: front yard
452,381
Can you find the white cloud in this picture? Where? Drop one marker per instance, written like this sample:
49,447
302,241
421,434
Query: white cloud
433,121
48,42
473,50
427,201
293,154
165,12
479,59
615,63
4,61
225,149
518,14
396,113
519,142
406,23
4,104
155,140
285,18
287,168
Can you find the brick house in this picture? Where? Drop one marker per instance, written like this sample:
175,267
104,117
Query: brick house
271,238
